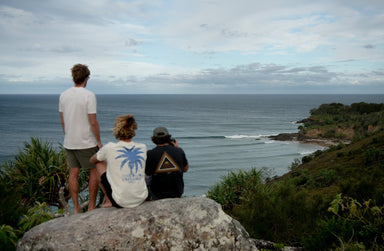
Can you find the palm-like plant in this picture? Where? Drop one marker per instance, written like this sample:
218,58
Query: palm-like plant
39,172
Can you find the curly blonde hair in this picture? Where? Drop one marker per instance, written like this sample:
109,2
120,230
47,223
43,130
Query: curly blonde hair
125,126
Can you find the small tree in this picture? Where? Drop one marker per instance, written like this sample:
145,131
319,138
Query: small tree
39,173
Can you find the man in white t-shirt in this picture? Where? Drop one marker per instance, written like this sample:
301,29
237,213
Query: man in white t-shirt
121,166
77,107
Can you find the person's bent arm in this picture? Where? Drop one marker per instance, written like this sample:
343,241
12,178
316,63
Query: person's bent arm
186,168
62,121
95,128
94,159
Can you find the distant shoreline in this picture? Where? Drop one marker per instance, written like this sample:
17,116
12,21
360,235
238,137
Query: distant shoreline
315,141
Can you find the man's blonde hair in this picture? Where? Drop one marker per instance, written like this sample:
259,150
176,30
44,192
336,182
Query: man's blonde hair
79,73
125,126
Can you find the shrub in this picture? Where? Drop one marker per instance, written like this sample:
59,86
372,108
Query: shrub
274,211
38,171
10,197
8,237
295,164
325,178
229,191
353,224
36,215
372,154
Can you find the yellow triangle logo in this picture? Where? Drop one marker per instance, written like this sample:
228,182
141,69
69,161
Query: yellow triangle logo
167,164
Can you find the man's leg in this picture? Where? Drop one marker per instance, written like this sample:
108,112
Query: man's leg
101,168
93,187
73,184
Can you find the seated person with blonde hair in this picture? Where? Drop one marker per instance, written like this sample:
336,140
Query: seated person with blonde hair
123,173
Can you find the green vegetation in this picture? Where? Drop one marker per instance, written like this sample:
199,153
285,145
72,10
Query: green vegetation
338,121
31,186
332,199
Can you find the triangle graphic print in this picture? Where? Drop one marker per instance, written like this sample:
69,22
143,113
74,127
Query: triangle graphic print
167,164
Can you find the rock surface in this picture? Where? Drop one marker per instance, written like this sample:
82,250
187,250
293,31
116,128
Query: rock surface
170,224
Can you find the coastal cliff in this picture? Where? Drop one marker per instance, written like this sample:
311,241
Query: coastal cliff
331,124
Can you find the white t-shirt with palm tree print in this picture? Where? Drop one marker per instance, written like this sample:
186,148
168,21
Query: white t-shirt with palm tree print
126,171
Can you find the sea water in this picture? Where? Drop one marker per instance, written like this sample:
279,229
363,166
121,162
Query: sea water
219,133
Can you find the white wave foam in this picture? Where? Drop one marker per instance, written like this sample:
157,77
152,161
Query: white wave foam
306,152
240,136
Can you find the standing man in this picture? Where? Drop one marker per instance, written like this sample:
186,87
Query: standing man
77,109
165,166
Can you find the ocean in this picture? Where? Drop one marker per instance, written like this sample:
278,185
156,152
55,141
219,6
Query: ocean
219,133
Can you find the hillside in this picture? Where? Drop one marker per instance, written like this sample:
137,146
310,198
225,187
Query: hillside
342,122
348,176
355,170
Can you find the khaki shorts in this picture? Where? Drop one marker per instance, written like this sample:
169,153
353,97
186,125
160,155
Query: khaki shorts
80,158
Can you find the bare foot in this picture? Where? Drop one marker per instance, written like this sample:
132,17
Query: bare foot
78,209
106,205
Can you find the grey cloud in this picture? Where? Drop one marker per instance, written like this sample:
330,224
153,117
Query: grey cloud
66,49
257,74
131,42
380,73
252,78
233,33
369,46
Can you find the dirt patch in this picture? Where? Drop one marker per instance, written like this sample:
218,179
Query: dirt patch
348,132
372,128
313,133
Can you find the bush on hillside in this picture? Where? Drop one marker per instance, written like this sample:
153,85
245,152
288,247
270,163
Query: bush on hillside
276,212
353,225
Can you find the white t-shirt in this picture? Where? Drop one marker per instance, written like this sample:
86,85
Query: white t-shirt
126,171
75,104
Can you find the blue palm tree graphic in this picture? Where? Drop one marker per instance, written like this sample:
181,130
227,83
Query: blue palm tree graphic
131,156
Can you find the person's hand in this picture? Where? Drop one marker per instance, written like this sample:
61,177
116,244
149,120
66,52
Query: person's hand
99,145
175,143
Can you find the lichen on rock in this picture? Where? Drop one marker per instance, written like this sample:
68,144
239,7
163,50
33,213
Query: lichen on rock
169,224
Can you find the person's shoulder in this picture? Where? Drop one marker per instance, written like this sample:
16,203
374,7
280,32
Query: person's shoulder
140,145
110,144
66,91
88,92
179,149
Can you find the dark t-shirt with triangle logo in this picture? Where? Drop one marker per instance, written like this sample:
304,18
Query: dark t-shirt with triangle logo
166,166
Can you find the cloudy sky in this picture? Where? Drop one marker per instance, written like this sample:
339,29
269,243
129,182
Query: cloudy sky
199,46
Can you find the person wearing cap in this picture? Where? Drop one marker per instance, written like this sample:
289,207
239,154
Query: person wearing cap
165,166
122,174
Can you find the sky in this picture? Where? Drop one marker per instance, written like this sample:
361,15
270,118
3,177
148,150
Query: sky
193,47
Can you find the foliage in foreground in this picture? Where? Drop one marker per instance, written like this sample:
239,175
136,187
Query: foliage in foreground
353,225
35,215
279,213
30,185
268,211
38,172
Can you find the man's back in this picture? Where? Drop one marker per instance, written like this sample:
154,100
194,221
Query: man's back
75,104
166,166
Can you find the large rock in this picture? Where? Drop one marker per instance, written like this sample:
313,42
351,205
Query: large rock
170,224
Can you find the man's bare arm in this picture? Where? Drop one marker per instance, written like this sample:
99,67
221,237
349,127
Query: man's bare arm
95,128
62,121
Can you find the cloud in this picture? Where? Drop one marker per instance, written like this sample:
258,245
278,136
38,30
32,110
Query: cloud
369,46
250,78
192,46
